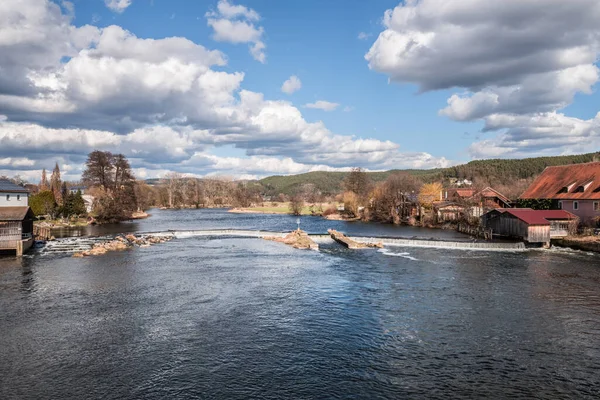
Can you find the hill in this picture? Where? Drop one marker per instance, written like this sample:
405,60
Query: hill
494,172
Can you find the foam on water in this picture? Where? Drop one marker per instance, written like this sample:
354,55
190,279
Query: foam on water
392,254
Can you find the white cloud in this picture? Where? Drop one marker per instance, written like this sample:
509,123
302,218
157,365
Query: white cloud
364,36
293,84
323,105
159,101
235,24
117,5
230,11
518,61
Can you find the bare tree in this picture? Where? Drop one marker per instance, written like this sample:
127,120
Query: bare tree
173,182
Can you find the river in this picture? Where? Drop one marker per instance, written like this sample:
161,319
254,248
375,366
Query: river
233,318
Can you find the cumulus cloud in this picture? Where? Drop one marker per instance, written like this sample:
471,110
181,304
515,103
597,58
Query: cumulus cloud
117,5
323,105
293,84
519,62
161,102
235,24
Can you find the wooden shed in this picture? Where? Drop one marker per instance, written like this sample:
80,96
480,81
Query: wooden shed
533,226
16,229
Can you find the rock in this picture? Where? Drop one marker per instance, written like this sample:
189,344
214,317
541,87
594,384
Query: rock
298,239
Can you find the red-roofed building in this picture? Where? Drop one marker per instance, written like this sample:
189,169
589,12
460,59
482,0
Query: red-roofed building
533,226
575,188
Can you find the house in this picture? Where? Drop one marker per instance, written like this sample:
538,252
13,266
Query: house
16,218
574,188
469,203
457,194
486,200
533,226
447,211
75,189
16,228
13,195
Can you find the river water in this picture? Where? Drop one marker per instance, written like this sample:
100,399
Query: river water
232,318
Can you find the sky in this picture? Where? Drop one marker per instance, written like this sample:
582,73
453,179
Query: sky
253,88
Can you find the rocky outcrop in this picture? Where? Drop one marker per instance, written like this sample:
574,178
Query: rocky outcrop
298,239
121,243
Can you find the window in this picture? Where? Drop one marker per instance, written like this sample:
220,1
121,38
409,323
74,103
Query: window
596,206
560,205
575,205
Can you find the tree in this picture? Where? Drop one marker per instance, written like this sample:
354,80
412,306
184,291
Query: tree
114,185
351,204
56,184
43,203
296,204
99,170
358,182
429,193
173,182
73,204
44,185
393,199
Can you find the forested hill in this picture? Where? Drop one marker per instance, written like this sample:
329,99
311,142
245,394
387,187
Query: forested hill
487,172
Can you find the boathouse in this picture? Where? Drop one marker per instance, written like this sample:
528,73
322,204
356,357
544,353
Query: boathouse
16,229
533,226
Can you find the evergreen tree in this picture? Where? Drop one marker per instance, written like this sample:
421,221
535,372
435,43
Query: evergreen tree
44,182
56,185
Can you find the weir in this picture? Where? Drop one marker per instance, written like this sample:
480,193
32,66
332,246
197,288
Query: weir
326,238
72,245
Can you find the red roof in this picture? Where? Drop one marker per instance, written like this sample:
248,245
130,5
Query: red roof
488,192
576,181
539,217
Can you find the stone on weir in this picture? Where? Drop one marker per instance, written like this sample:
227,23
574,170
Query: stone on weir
298,239
349,243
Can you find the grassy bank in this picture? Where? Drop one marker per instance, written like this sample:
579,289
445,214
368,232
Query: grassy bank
283,208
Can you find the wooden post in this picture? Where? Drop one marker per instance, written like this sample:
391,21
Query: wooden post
19,248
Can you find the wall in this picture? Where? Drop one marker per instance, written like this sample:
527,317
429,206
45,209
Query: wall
13,202
585,212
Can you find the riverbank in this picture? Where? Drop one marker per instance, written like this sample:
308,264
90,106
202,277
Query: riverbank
583,243
284,208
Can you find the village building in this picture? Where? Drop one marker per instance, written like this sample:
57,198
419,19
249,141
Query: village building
16,218
533,226
459,203
574,188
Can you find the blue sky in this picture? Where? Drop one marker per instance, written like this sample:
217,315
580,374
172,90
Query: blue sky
390,66
318,42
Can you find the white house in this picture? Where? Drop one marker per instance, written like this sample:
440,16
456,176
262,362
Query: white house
12,195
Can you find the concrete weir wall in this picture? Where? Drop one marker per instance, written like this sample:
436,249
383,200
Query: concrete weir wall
325,238
442,244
